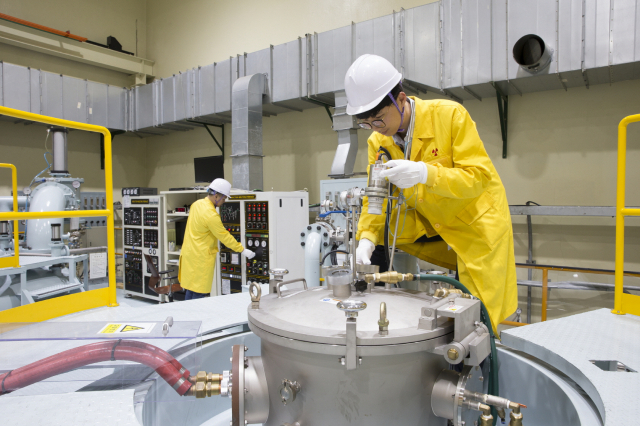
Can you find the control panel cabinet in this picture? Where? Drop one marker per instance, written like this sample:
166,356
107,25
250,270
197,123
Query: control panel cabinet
142,234
267,223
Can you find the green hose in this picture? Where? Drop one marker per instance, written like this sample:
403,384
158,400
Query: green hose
493,359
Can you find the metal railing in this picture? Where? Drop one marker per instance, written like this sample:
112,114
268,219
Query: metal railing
624,303
64,305
545,284
13,261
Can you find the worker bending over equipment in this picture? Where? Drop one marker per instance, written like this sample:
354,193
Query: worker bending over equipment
200,246
455,213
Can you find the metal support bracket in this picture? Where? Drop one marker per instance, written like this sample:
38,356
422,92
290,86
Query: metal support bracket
351,355
503,110
206,126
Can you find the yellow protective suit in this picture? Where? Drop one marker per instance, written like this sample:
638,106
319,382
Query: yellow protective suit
200,246
463,201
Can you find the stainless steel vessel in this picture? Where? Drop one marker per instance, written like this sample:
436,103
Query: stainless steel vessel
306,339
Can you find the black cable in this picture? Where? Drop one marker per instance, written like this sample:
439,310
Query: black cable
113,350
334,257
332,251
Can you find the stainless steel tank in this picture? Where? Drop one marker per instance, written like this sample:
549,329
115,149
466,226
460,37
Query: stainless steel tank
339,368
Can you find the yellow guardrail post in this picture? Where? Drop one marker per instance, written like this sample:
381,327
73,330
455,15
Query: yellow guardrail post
52,308
624,303
13,261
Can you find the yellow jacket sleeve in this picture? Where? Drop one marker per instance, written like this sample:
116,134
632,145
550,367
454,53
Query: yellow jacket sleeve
471,173
219,231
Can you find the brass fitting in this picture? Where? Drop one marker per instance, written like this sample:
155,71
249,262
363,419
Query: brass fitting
203,390
392,277
214,378
486,419
453,354
516,416
444,292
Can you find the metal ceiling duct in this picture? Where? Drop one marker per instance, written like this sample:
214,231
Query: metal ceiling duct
460,48
246,131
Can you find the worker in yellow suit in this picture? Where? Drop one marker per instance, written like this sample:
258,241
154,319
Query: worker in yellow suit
455,212
200,246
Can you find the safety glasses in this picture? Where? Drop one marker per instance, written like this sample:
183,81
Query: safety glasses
379,123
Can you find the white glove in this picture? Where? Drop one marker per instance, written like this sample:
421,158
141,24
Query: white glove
405,173
248,253
364,252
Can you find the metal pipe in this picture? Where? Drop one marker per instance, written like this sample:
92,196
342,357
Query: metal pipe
529,260
6,285
60,163
354,228
545,293
84,250
311,252
395,233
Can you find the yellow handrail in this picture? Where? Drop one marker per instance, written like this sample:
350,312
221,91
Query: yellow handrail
624,303
52,308
13,261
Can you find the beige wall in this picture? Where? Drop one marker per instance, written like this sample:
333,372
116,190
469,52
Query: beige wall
189,33
562,145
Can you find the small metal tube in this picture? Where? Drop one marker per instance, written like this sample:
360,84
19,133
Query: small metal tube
377,188
55,232
59,150
383,323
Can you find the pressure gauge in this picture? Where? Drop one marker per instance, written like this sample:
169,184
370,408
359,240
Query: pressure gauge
250,243
76,184
264,243
26,191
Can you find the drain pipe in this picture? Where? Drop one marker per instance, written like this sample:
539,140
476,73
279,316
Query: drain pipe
246,131
347,129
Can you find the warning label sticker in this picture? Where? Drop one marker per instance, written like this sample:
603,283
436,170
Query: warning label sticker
330,300
453,308
127,328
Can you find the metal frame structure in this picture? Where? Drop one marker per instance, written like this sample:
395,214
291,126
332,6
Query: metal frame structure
13,261
64,305
624,303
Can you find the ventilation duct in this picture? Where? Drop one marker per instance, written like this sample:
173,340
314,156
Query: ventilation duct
246,131
346,127
460,48
532,53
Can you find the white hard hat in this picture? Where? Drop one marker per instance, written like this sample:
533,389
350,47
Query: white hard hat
369,79
221,186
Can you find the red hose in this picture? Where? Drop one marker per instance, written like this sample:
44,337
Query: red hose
126,350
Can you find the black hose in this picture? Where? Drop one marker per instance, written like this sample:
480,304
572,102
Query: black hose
331,252
484,316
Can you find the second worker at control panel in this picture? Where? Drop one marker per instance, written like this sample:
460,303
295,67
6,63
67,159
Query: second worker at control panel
200,246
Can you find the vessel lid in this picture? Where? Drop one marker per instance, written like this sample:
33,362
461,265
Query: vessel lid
314,316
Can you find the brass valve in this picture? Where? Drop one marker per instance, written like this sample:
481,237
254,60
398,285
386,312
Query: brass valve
516,416
486,419
392,277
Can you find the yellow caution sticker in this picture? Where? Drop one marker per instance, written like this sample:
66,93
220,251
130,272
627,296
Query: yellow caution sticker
128,328
110,328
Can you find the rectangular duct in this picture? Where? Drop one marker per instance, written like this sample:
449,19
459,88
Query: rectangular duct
463,48
246,131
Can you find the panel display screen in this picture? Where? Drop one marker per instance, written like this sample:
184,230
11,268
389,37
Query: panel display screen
230,213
